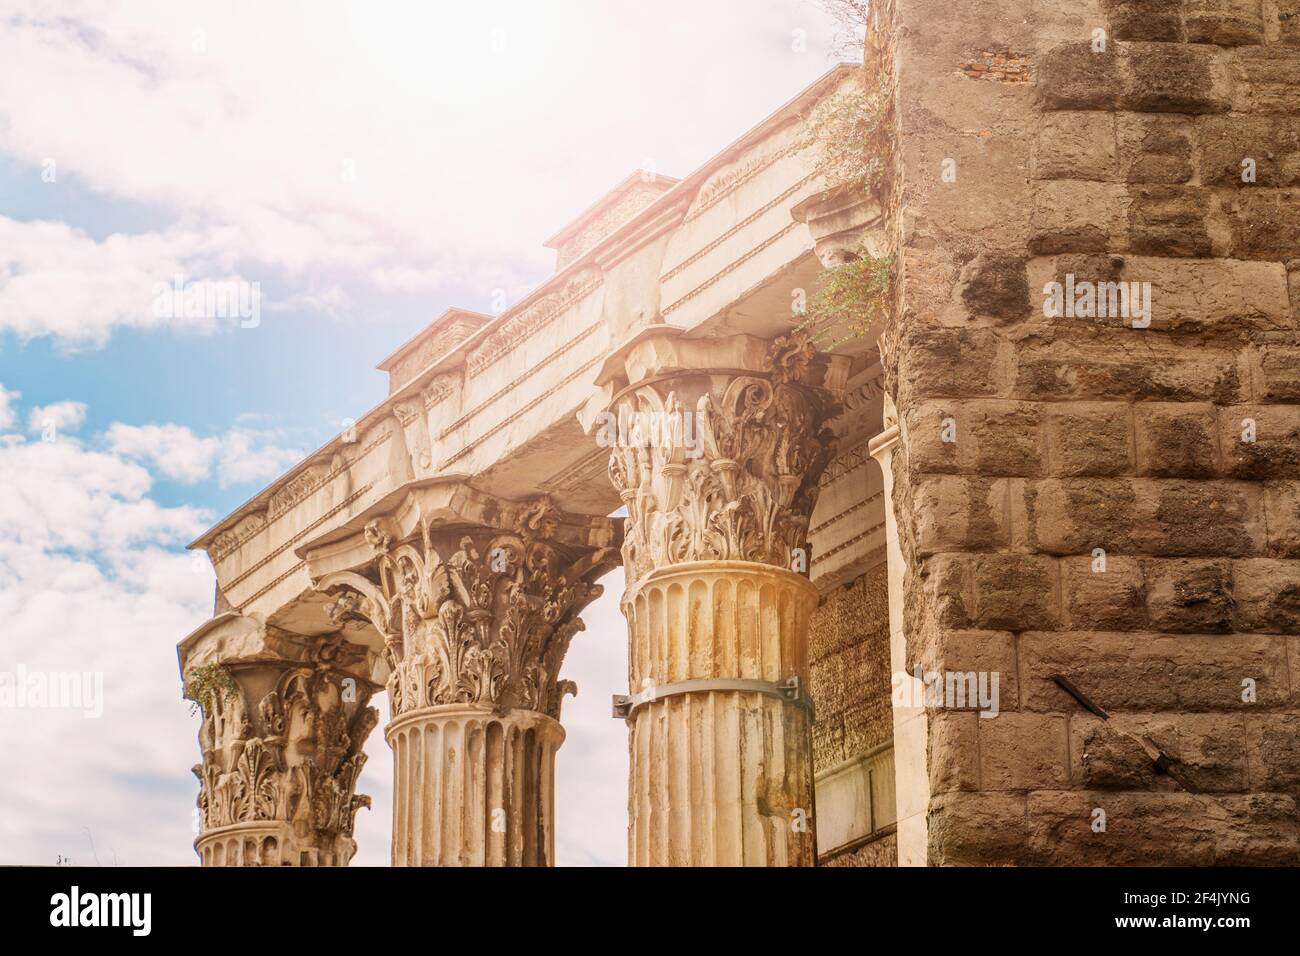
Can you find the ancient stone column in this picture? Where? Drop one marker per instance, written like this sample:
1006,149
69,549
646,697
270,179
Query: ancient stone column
477,620
717,448
281,739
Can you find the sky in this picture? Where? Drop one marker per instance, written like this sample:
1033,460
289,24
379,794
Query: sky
363,166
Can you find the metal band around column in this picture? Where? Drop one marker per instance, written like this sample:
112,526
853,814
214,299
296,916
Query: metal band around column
789,690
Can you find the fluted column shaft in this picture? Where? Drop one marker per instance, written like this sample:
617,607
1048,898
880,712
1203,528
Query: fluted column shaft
720,777
476,615
717,447
474,787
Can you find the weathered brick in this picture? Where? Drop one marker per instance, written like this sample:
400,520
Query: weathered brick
1193,296
1208,518
1189,596
1288,15
988,437
1168,221
1088,439
1171,78
982,653
1071,516
1074,77
1106,759
1208,751
995,286
960,514
954,746
1023,751
1154,148
1265,222
1278,372
976,829
1293,288
1075,216
1157,20
1075,145
942,363
1160,517
1178,829
943,583
1260,441
1104,593
1282,508
1001,592
1012,592
1267,80
1224,22
1114,364
1273,749
1272,143
1267,594
1149,672
1224,298
1177,439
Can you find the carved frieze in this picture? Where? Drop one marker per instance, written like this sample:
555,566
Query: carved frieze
296,490
227,542
521,325
434,347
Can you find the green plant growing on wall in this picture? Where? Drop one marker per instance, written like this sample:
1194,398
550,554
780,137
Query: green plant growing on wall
849,132
851,137
854,293
206,683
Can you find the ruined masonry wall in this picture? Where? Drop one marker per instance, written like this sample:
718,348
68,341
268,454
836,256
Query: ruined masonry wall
1174,448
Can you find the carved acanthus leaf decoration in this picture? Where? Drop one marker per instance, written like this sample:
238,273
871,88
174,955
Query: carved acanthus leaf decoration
477,617
294,757
738,483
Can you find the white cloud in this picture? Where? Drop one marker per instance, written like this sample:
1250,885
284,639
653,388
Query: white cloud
173,449
61,417
351,146
93,580
240,455
7,398
57,280
248,455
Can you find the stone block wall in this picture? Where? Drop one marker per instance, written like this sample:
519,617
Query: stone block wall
1112,499
848,662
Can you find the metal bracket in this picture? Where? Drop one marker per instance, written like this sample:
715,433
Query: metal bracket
789,690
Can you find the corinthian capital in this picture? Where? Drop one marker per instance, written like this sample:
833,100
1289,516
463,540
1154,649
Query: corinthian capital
284,723
717,446
477,605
